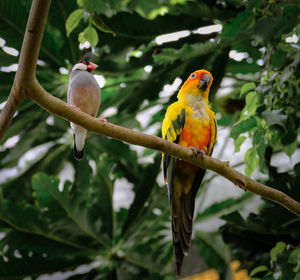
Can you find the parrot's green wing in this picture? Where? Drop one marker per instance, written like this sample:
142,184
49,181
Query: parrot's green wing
173,133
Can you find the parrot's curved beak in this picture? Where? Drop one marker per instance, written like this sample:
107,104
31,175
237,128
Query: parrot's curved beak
92,66
204,82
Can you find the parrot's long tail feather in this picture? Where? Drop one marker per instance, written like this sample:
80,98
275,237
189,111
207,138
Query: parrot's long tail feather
182,220
182,225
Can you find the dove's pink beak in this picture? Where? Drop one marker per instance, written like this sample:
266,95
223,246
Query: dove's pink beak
92,66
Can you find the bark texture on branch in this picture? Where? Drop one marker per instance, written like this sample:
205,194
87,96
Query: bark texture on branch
26,85
25,74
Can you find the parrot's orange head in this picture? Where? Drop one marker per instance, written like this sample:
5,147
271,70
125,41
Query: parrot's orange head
198,83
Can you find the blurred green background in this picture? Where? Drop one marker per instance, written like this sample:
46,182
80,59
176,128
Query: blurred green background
107,216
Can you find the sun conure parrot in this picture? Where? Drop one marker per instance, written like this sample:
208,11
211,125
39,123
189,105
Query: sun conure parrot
191,123
83,94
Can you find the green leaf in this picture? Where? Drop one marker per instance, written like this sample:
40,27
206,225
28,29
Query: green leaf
187,51
168,56
290,149
277,250
213,250
107,7
247,87
81,206
7,59
24,254
251,102
253,5
132,25
243,21
238,142
234,218
83,173
297,276
141,196
80,3
243,67
288,20
53,225
251,161
295,256
73,20
278,58
81,38
242,127
295,259
275,117
91,35
97,21
223,207
101,196
264,29
6,83
258,137
251,105
258,269
13,16
269,276
261,150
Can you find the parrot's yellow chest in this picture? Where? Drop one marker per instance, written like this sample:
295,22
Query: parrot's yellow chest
196,132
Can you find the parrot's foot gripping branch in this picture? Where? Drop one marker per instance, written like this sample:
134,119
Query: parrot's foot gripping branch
197,152
241,184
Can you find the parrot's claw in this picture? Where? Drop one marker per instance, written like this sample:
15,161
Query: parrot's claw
197,152
103,120
241,185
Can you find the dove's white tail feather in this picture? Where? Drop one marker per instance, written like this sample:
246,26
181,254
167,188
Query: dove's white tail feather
79,135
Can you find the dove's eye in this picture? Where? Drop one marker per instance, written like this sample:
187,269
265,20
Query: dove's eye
193,76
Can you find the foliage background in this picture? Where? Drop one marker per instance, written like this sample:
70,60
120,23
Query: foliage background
80,226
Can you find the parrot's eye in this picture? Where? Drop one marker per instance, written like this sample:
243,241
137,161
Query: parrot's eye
193,76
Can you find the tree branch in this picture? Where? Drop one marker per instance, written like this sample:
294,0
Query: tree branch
32,41
27,62
6,115
25,84
58,107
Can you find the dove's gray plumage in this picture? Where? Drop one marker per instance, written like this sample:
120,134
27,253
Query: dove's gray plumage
84,94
